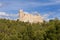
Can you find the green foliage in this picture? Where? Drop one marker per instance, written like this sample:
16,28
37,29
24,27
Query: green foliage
16,30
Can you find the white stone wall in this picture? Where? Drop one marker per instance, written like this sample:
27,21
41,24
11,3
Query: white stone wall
29,17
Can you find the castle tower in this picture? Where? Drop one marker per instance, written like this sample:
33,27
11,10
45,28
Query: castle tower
21,14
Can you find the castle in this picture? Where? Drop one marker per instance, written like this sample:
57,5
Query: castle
26,17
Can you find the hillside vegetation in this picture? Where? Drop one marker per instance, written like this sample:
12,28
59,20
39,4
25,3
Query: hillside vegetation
16,30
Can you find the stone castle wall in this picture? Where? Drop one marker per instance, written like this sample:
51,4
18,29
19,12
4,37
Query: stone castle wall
29,17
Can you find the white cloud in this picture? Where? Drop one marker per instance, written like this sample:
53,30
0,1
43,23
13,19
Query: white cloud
26,12
8,16
2,13
47,15
51,15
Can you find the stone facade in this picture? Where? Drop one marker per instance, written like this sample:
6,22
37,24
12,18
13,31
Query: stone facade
29,17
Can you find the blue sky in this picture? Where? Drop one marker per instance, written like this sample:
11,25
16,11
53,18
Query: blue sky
49,9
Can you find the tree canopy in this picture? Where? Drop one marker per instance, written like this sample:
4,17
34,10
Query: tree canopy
17,30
